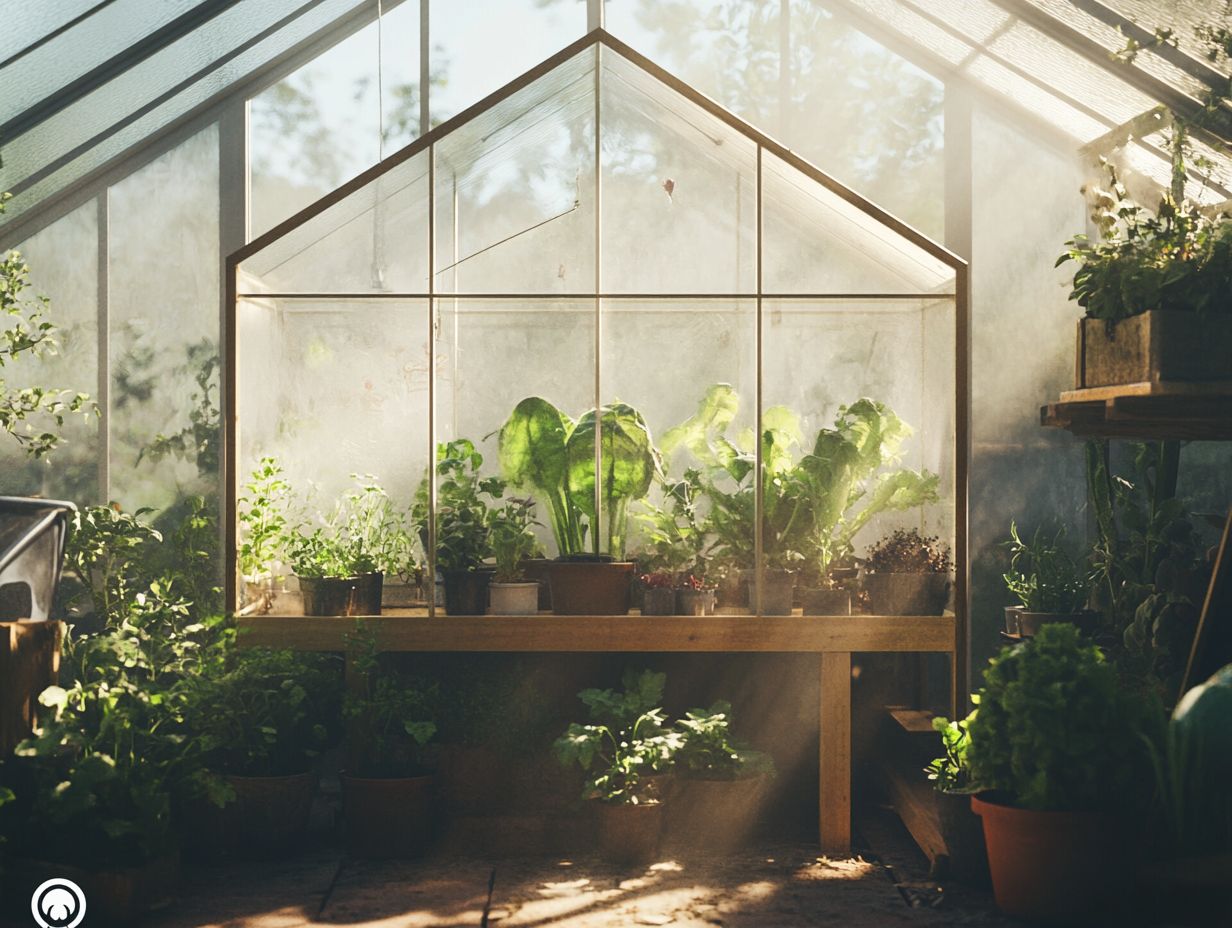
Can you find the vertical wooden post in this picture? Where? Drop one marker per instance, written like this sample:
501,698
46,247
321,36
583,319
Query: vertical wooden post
29,663
834,791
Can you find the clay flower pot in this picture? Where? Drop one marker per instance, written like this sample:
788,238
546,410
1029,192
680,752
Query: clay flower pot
630,834
342,595
590,587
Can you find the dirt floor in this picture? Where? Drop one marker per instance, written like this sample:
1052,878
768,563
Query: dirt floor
780,886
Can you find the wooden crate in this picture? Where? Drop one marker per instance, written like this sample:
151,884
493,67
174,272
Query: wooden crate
1154,348
29,663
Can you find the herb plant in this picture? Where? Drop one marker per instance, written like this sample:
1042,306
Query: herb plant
709,750
512,539
262,516
464,502
1044,575
906,551
362,535
951,773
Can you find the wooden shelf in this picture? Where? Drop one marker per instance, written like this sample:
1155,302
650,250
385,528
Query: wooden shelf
411,630
1145,411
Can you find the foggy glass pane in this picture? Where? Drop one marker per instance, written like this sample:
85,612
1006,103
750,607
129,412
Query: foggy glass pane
679,191
816,242
163,274
515,190
63,260
375,240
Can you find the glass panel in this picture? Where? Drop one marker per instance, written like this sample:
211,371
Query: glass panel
481,45
375,240
63,260
337,392
491,357
679,191
515,191
816,242
689,369
858,441
163,314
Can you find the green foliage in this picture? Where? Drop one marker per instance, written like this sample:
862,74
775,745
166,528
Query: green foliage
464,502
675,537
544,451
709,750
951,773
32,416
1044,575
512,539
262,516
110,551
200,440
1055,730
363,534
626,739
907,552
390,720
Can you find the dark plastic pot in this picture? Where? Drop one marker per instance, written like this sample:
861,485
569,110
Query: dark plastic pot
907,594
963,833
1013,620
385,818
695,602
342,595
714,816
1060,866
1032,622
630,834
466,591
777,588
658,601
826,602
590,587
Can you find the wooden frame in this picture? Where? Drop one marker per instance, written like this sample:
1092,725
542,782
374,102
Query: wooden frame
832,638
29,663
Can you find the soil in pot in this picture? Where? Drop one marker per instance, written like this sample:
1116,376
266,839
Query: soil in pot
714,816
514,598
777,588
963,833
387,817
590,587
342,595
1058,866
695,602
466,591
826,602
630,834
658,600
907,594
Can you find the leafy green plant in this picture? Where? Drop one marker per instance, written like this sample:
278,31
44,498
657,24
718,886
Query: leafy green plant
626,740
951,772
710,751
675,540
363,534
262,515
1056,730
1044,575
906,551
198,441
545,452
464,507
512,539
109,551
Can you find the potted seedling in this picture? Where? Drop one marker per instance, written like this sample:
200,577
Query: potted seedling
624,747
264,535
513,543
387,790
694,596
1050,584
907,574
721,784
951,777
464,508
260,718
674,552
1156,287
1057,747
658,593
552,456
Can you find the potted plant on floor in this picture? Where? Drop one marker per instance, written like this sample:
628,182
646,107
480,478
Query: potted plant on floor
720,783
1156,287
1051,585
1057,746
513,543
907,574
966,857
624,748
387,788
547,453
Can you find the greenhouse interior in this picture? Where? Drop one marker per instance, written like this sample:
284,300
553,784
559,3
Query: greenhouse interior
589,463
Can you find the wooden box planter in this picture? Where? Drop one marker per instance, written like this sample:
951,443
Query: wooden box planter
1154,347
29,663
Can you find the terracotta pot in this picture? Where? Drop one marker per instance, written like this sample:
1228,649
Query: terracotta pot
695,602
1055,865
826,602
342,595
907,594
466,591
630,834
269,815
115,896
658,601
537,569
1032,622
1154,346
963,833
590,587
777,587
387,817
714,816
514,598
